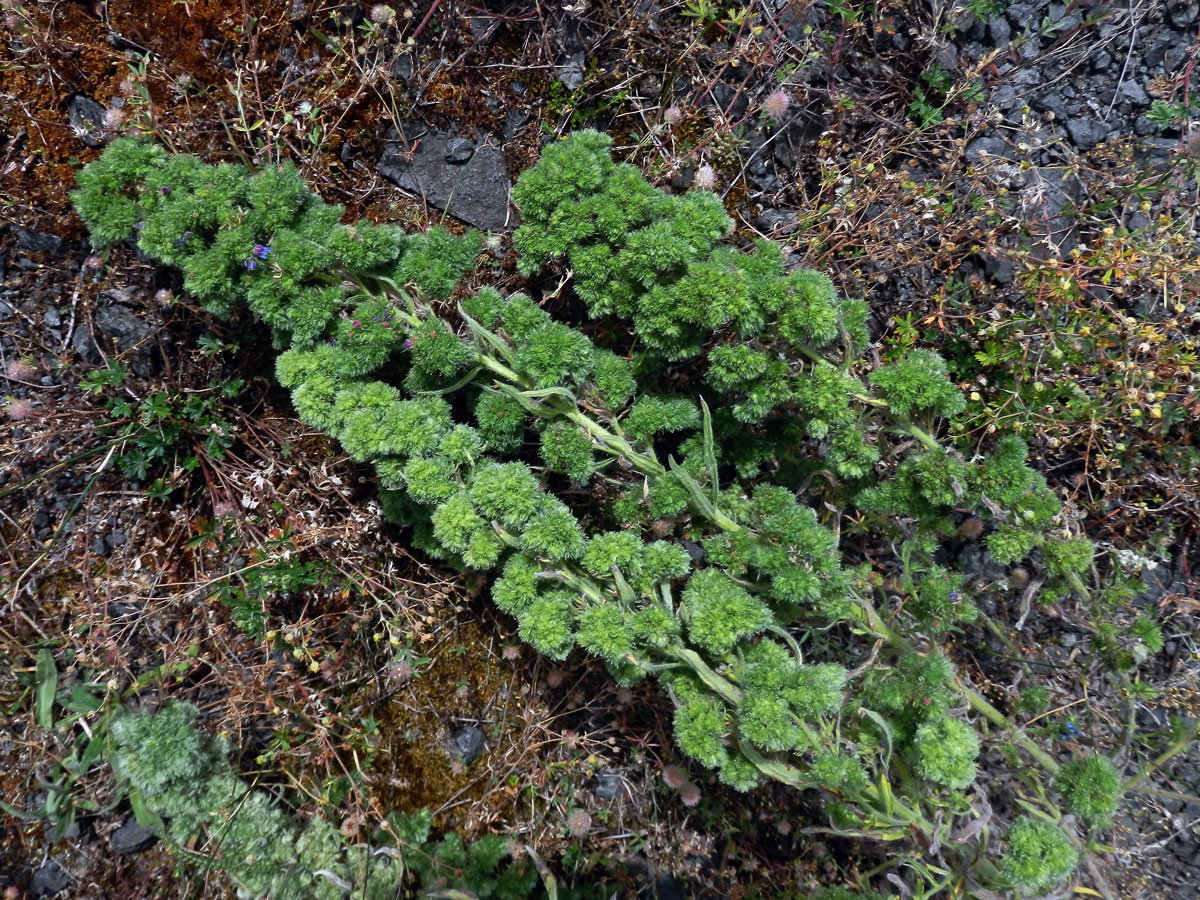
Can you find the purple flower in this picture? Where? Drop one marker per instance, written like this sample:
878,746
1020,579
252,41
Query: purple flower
249,263
183,240
408,344
953,595
356,324
165,190
261,251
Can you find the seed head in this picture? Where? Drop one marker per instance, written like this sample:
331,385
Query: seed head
579,822
381,14
674,776
19,409
689,794
672,114
705,177
777,103
19,369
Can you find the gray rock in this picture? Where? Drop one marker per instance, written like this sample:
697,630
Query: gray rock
1174,56
131,838
1101,61
1143,125
467,743
459,150
482,27
49,879
52,318
1181,13
1054,103
999,30
987,147
1054,193
6,310
514,121
998,268
1134,92
1157,51
38,241
86,117
570,73
121,325
606,785
475,191
1085,133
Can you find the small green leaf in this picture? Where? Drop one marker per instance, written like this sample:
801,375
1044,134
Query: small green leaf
146,817
47,686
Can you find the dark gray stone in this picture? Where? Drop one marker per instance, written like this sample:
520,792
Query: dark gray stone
131,837
52,318
1049,209
38,241
482,27
514,121
998,268
987,147
87,118
999,30
475,191
1054,103
121,325
49,879
1135,93
1085,133
468,743
1175,56
1181,13
570,72
1101,61
459,150
606,785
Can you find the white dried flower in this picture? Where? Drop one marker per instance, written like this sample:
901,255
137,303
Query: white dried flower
705,177
382,15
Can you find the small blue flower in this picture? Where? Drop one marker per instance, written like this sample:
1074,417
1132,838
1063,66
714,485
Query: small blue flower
165,190
183,240
953,595
261,251
249,263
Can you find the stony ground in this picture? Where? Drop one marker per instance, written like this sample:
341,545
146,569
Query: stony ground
963,168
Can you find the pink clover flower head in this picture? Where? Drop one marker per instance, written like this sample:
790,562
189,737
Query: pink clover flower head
674,776
164,296
689,794
18,409
18,369
672,114
93,262
777,103
705,177
579,822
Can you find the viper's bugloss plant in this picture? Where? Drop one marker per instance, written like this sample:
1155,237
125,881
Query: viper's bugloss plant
685,528
1091,786
1038,856
182,775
